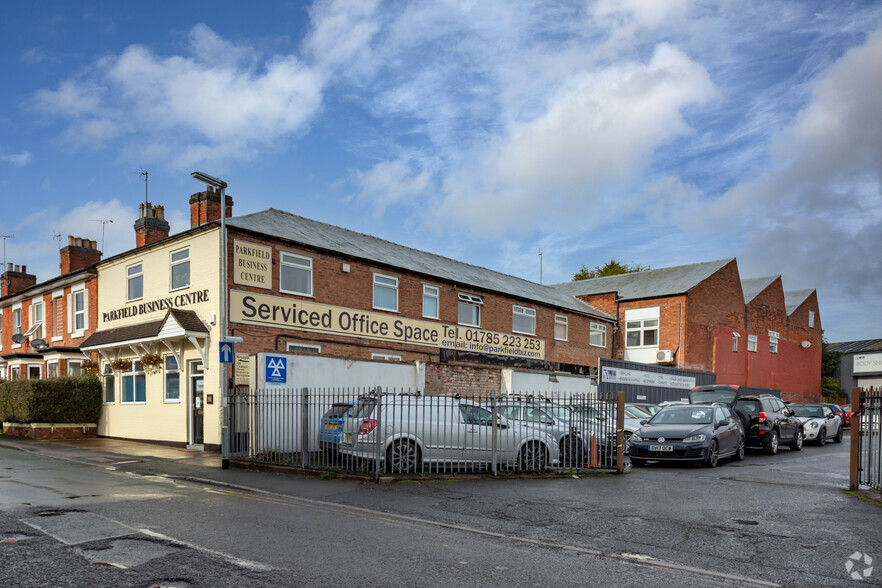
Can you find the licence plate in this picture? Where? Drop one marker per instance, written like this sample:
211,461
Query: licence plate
348,437
661,447
330,427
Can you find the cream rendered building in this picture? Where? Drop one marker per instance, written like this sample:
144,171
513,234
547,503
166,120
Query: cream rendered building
161,298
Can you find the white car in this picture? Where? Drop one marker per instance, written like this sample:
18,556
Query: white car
819,423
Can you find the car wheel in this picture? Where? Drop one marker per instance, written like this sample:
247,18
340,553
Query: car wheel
797,443
637,463
822,437
533,457
572,452
771,446
626,441
838,438
403,457
739,453
713,457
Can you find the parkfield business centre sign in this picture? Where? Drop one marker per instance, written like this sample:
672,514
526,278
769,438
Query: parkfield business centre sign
275,311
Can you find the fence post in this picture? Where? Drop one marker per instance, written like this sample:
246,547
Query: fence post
495,424
377,434
620,429
304,428
854,474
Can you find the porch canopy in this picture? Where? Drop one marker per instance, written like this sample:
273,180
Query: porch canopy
170,332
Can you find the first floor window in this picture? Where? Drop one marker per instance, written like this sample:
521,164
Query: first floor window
523,320
16,321
385,292
811,319
172,379
773,345
180,268
134,386
79,310
751,342
52,369
74,368
641,333
36,330
303,348
430,301
598,335
735,337
134,282
561,327
386,356
109,385
295,274
469,310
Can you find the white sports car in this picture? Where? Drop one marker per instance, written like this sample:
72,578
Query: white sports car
819,423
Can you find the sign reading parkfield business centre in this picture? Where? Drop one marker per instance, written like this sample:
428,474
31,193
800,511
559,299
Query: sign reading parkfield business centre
252,264
275,311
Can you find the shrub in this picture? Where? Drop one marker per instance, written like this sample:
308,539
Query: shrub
58,400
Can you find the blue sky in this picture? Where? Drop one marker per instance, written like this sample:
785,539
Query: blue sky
658,132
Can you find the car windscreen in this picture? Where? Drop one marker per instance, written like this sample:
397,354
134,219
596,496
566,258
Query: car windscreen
364,408
708,396
683,415
560,413
815,412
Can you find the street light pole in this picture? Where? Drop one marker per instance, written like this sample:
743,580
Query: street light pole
225,415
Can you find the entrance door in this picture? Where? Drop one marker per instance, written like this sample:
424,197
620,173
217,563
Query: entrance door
197,402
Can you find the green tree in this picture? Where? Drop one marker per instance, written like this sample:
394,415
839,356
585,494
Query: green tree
611,268
829,367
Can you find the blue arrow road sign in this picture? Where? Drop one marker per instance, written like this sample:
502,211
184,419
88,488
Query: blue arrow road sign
226,352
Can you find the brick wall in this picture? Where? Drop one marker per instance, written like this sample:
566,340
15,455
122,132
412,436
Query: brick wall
766,312
468,381
797,328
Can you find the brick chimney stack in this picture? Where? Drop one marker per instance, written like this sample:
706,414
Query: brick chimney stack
78,254
205,207
15,279
151,225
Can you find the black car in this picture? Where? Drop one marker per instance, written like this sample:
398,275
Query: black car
767,421
702,433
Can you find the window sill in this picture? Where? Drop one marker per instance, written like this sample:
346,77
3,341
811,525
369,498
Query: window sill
77,335
54,339
167,401
467,325
431,318
603,346
133,403
395,310
295,293
16,346
179,288
564,340
523,333
135,299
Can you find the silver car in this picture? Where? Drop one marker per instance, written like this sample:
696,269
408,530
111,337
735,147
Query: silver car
407,433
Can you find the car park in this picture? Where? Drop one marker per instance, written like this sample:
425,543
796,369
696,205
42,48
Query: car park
819,422
838,411
331,427
408,433
703,433
651,409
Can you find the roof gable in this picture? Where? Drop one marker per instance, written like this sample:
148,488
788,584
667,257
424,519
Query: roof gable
795,298
752,287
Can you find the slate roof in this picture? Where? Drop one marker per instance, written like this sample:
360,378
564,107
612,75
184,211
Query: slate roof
291,227
188,320
794,298
667,281
856,346
753,286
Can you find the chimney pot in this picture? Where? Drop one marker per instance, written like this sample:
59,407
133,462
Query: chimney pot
24,269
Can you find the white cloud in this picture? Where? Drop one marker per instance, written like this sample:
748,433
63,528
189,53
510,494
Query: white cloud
16,159
391,182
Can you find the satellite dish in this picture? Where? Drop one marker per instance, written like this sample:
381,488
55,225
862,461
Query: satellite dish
18,338
39,344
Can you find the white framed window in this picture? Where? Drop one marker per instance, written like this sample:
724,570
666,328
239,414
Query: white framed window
134,282
641,333
773,345
79,310
16,321
74,368
134,385
172,375
385,292
298,347
598,335
735,337
523,320
179,263
751,343
561,327
386,356
35,372
811,319
469,310
14,372
431,295
51,369
109,384
36,329
295,274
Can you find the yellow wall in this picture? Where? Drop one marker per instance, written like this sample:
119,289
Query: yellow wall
157,419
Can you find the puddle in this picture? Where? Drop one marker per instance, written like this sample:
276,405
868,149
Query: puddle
744,522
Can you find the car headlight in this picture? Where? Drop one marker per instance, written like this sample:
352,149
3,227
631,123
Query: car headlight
695,439
636,437
813,426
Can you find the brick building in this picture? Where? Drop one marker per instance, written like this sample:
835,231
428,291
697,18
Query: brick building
43,325
704,317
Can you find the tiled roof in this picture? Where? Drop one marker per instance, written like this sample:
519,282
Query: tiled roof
188,320
647,284
794,298
753,286
856,346
284,225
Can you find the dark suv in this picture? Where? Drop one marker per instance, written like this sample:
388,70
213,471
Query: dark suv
767,420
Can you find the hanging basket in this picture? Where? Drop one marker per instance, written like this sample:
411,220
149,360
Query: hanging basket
90,367
121,365
152,363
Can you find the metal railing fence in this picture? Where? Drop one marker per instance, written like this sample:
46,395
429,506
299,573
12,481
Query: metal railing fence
378,432
866,438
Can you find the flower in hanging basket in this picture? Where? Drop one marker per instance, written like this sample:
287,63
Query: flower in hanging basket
121,365
152,362
90,367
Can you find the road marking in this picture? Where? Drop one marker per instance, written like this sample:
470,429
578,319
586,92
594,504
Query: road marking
244,563
632,558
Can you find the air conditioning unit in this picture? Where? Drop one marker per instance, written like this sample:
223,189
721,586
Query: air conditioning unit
664,356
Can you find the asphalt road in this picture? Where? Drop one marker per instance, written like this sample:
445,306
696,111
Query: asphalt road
767,520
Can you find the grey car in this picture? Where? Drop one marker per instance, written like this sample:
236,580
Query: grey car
407,433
